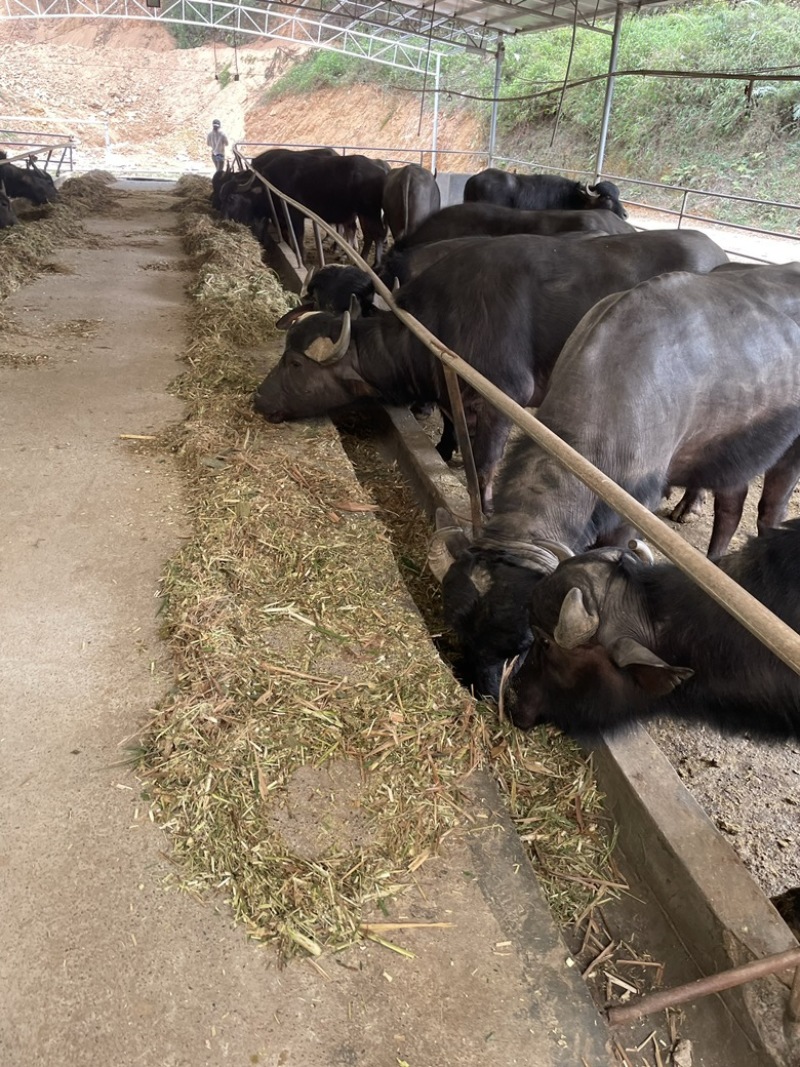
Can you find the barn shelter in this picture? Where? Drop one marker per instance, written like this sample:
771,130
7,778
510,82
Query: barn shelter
410,35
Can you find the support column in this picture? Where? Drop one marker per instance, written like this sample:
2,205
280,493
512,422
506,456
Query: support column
498,67
435,135
612,66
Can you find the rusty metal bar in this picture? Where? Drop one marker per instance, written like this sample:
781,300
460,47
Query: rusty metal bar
292,235
465,445
318,243
703,987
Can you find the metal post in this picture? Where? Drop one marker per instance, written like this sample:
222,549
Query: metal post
435,136
465,446
498,67
612,66
292,235
318,243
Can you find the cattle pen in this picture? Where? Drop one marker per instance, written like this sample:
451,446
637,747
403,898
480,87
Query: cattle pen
620,762
726,918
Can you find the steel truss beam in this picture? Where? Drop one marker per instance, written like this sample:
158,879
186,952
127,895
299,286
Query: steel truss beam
385,33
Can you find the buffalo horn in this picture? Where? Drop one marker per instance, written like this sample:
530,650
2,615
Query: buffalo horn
440,559
640,549
324,350
590,191
575,623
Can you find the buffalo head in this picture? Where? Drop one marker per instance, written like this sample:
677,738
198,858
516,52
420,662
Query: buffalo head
604,195
318,371
486,586
591,664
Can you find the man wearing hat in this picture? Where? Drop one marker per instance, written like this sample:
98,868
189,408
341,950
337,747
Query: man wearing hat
217,142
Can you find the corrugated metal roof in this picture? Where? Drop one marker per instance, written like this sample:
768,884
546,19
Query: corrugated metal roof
478,23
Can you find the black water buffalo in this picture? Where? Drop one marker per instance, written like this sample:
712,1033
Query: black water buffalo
399,267
337,188
29,183
490,220
541,192
616,640
7,216
511,330
410,195
686,380
332,288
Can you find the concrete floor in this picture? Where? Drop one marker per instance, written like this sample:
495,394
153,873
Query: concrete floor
100,963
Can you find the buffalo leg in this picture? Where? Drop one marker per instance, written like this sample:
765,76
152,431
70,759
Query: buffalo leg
728,505
779,482
488,439
689,506
447,442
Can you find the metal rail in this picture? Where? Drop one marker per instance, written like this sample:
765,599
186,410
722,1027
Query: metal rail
36,147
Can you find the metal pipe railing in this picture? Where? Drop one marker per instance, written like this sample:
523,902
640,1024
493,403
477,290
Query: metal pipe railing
715,983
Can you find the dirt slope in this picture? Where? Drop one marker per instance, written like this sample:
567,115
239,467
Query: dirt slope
153,103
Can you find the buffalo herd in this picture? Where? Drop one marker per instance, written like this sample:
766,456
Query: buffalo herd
648,351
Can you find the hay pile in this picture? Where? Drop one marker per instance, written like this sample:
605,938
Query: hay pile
312,753
25,250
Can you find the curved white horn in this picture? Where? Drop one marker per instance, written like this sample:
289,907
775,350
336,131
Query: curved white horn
325,350
642,551
575,623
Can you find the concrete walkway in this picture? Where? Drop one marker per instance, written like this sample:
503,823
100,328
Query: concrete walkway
100,964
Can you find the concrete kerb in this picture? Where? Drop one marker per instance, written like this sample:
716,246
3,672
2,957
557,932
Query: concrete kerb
716,910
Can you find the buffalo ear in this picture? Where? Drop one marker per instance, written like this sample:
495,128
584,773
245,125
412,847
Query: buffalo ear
650,673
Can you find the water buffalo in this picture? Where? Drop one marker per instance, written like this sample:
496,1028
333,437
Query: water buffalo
337,188
490,220
332,289
616,640
30,183
541,192
410,195
683,380
399,267
511,330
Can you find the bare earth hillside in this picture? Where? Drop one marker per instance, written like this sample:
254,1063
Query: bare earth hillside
134,101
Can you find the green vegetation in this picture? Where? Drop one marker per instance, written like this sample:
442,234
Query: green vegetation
702,132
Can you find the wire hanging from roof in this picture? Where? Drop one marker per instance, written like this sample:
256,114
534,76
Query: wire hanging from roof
427,64
560,108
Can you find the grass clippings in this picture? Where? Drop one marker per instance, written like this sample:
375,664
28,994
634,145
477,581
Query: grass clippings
307,692
26,249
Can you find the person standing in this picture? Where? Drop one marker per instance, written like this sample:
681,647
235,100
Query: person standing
217,142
